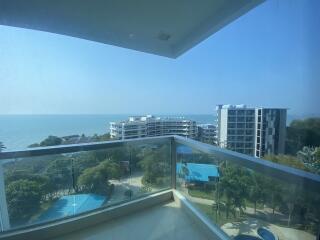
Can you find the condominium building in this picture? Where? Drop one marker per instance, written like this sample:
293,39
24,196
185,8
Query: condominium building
207,133
253,131
151,126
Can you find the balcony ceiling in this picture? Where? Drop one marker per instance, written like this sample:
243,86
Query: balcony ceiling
168,28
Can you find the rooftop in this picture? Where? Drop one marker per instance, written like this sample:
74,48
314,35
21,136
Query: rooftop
151,118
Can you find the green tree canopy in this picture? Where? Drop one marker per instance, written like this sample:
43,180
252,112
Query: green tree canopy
51,141
302,133
286,160
257,191
96,179
2,146
234,185
155,166
59,172
23,198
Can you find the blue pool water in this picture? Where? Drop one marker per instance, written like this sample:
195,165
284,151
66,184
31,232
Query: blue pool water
245,237
199,172
71,205
265,234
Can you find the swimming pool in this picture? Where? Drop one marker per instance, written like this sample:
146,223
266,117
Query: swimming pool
70,205
265,234
246,237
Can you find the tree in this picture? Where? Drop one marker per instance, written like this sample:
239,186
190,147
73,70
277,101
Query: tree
96,179
23,198
42,181
59,171
316,163
257,193
155,166
286,160
274,193
302,133
2,146
289,198
101,138
234,185
51,141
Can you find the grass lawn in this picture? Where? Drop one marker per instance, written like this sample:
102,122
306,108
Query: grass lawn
211,213
251,205
199,193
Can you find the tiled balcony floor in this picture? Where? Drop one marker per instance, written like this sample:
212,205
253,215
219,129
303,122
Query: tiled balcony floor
167,221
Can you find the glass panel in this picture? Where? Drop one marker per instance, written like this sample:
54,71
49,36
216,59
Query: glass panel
35,184
51,187
103,173
244,202
150,164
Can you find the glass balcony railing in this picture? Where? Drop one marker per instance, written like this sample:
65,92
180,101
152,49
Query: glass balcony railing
249,198
48,184
242,195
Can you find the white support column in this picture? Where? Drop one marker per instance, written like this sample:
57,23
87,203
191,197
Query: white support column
4,216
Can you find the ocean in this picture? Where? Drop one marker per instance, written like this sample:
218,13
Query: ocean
19,131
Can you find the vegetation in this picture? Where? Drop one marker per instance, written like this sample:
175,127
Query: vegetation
302,133
2,146
257,193
286,160
316,163
34,183
96,179
234,186
23,198
156,166
73,139
242,193
204,193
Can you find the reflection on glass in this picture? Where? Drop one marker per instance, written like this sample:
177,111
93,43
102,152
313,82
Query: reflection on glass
150,167
244,202
51,187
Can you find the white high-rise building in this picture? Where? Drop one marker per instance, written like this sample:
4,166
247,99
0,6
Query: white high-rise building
253,131
150,126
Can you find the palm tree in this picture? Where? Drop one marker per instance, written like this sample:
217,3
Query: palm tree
2,146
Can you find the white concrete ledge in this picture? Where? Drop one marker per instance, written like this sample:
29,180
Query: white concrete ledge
65,226
211,230
83,221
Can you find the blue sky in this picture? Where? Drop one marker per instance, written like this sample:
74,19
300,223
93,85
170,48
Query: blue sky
269,57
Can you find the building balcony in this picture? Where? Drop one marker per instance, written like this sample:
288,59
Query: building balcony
165,187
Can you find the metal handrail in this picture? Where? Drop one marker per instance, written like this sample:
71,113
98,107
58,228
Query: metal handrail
72,148
280,172
274,170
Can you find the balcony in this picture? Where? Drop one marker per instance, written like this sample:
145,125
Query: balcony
153,188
